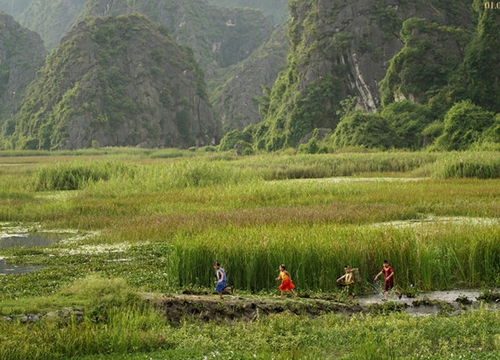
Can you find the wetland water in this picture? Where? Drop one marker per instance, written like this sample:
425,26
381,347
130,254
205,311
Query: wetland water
16,269
30,240
22,240
430,303
18,236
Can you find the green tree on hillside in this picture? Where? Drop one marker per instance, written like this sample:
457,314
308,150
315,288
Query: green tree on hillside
408,120
483,58
432,54
464,124
366,130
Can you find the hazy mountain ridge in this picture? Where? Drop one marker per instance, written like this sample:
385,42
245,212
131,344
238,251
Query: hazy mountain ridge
14,7
219,37
397,68
21,54
51,18
276,9
236,90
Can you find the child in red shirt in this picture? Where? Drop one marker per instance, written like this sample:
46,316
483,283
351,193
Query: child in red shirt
388,272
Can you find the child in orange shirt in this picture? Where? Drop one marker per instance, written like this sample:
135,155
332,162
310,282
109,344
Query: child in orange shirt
286,281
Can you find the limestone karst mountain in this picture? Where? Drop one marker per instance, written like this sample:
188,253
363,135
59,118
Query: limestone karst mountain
341,49
116,81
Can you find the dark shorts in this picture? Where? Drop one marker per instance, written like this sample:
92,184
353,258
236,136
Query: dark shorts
388,286
220,286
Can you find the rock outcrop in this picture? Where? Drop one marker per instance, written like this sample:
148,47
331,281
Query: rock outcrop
219,37
116,81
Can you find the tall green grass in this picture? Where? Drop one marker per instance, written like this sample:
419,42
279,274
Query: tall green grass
205,171
434,257
137,334
76,175
276,167
481,165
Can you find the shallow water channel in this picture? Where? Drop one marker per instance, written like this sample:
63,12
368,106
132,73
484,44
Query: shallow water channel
30,240
430,303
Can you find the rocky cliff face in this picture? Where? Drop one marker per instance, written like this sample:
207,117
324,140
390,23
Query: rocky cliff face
375,26
116,82
341,48
224,42
21,55
237,89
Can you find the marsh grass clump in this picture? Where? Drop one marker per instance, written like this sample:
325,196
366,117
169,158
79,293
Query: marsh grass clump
303,166
489,296
443,306
411,291
463,300
75,175
102,294
387,307
481,165
127,329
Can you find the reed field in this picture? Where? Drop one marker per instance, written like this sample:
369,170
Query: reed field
154,221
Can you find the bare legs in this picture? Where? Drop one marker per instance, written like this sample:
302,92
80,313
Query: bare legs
291,290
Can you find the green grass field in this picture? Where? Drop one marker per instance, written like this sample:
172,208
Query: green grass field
155,220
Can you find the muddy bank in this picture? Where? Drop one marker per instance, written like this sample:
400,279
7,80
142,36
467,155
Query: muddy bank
205,308
249,308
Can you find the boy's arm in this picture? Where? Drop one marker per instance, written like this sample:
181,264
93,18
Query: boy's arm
340,278
376,277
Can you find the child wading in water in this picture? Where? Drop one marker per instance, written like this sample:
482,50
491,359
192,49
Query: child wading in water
347,280
388,272
220,274
286,281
